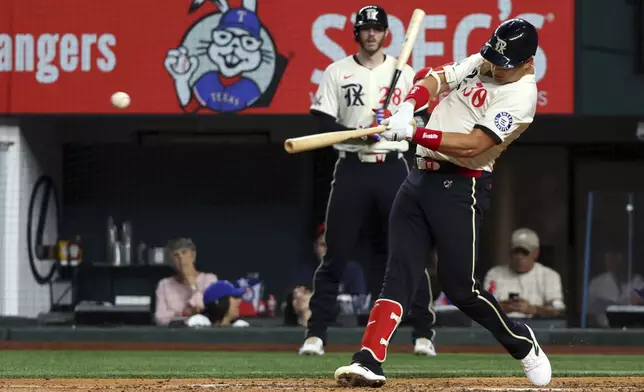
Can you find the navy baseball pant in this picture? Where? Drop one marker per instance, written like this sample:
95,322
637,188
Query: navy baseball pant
442,210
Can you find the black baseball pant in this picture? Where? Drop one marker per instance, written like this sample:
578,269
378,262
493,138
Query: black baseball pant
444,209
362,194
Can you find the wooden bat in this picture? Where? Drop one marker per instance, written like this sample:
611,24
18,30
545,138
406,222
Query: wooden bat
319,140
417,18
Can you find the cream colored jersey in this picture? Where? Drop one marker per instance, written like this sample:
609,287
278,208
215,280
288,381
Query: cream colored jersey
349,92
503,111
539,286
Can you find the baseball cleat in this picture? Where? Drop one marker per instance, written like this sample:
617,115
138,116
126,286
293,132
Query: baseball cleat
357,375
312,346
536,364
424,346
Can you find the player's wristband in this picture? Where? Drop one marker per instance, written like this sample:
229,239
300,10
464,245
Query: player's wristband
428,138
420,94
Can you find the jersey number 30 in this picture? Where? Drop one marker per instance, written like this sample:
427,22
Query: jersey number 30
478,93
396,97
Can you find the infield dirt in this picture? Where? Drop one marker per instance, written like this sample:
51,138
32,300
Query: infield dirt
591,384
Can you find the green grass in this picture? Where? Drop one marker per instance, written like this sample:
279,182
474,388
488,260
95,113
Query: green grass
180,364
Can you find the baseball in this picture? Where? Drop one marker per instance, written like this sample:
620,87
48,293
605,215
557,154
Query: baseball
120,100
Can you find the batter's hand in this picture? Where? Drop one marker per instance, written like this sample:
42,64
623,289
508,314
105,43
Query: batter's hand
401,119
398,134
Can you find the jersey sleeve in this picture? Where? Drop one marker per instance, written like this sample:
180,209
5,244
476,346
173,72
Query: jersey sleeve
456,72
509,113
326,97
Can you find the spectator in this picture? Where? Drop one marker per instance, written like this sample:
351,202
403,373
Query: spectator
613,288
181,295
353,278
526,288
221,301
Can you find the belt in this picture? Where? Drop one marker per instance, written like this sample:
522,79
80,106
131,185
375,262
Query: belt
370,157
432,165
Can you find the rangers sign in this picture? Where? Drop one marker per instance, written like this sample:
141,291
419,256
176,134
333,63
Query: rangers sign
238,56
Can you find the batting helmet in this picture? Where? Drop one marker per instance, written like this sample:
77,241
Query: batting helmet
512,43
370,15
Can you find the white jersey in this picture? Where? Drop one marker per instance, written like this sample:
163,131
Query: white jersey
349,92
503,111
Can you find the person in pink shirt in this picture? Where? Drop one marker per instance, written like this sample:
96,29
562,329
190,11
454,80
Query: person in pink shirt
181,295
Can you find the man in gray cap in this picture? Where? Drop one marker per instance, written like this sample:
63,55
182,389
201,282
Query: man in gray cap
526,288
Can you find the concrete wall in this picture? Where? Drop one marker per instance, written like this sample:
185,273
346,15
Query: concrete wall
34,152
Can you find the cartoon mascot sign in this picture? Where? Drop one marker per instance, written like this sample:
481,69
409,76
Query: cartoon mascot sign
227,60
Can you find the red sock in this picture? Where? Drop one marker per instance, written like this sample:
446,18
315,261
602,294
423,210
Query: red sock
383,320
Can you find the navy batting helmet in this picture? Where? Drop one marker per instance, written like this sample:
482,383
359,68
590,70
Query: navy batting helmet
512,43
370,15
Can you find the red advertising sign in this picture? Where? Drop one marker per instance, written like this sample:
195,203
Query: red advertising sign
247,56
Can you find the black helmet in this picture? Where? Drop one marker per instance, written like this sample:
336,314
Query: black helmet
370,15
512,43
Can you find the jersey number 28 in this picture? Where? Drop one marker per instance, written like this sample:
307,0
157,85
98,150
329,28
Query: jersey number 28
396,97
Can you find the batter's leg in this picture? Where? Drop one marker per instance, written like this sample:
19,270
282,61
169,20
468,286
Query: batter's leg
409,237
345,213
455,214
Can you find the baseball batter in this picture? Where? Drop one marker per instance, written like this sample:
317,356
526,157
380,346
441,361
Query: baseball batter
367,175
492,99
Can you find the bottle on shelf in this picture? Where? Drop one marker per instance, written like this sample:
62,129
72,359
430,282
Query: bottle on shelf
63,252
75,251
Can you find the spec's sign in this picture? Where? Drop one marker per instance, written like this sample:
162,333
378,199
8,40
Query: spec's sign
245,56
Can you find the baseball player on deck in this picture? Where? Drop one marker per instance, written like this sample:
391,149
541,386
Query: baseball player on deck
367,175
492,99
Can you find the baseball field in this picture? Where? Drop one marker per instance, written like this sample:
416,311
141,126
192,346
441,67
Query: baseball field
124,371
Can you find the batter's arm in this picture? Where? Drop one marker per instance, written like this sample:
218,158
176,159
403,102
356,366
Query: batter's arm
457,145
446,77
508,116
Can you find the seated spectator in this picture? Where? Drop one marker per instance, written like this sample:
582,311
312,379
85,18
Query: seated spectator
526,288
181,295
353,278
221,301
613,288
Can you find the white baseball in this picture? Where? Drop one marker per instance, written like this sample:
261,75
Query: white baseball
120,100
